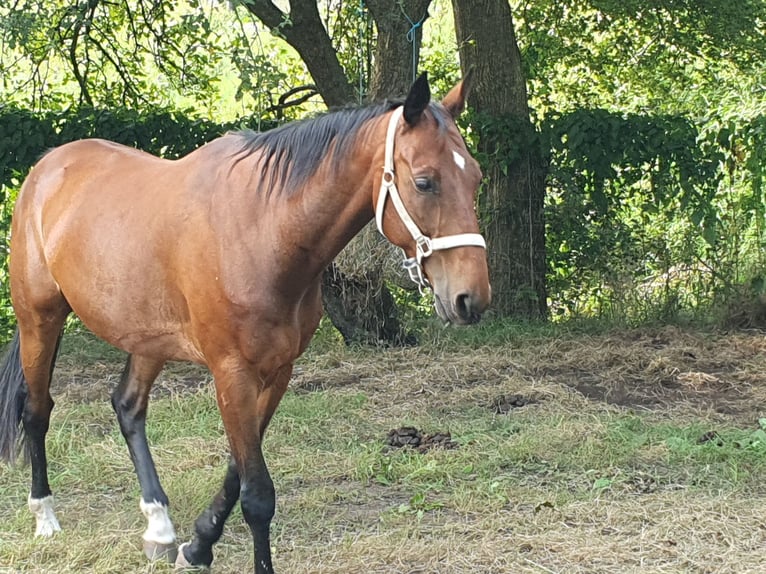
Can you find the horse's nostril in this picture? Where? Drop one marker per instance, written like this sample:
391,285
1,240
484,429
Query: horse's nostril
463,305
467,309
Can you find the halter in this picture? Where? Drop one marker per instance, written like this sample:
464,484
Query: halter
424,245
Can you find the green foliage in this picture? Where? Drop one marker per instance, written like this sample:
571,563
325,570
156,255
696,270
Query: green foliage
104,48
498,141
142,53
27,135
648,216
637,55
656,207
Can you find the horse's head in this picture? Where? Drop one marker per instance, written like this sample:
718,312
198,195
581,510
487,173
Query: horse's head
426,202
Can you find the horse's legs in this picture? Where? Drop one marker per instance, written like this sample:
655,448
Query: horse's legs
209,526
39,339
130,400
246,406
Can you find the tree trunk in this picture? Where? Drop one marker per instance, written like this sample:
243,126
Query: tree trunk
370,309
511,203
362,311
400,29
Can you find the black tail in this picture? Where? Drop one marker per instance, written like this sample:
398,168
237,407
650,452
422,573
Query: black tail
13,394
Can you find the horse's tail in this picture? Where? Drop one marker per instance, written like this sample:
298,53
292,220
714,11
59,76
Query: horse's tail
13,393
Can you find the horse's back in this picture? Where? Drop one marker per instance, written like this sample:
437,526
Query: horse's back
103,223
79,172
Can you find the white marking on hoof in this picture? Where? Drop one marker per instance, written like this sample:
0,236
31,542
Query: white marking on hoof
459,160
183,565
160,528
42,508
181,561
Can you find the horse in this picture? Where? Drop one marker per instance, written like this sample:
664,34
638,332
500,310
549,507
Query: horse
217,258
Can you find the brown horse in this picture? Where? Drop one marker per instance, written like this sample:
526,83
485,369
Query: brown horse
217,258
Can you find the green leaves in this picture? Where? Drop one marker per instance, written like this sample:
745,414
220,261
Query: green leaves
25,136
636,196
126,52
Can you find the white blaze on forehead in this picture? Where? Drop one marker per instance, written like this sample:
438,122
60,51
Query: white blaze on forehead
459,159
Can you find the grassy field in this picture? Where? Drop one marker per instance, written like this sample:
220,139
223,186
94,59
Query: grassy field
575,452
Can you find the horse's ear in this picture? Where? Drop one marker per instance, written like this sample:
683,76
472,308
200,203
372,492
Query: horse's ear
417,100
454,101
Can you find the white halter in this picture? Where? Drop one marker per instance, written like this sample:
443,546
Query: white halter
424,245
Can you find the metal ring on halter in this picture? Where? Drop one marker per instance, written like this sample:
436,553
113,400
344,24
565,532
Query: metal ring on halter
415,271
424,248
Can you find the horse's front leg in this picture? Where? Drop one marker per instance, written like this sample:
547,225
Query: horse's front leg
209,526
247,403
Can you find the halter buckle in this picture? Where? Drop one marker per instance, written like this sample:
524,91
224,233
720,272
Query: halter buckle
423,247
388,177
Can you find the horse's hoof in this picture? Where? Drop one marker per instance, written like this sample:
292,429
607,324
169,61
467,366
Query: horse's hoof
156,551
183,565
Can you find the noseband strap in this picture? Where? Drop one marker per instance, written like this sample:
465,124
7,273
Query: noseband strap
424,245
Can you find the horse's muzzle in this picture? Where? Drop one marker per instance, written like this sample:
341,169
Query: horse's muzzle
468,309
463,309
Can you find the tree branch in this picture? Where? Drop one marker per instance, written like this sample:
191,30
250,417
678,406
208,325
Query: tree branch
303,29
284,102
80,20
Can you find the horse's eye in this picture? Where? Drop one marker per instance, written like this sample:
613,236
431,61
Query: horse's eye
425,184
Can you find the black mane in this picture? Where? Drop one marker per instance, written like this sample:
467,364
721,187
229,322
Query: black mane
293,152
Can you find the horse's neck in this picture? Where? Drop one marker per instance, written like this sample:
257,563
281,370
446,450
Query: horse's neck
337,202
303,231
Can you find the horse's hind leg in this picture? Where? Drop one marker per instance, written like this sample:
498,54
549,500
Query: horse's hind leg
130,400
39,337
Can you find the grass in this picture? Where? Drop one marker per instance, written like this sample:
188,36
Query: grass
657,477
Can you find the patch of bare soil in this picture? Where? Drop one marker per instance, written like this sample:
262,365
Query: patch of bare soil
312,384
660,368
652,368
503,404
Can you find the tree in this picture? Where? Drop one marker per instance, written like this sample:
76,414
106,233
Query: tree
400,29
639,55
303,29
103,47
511,204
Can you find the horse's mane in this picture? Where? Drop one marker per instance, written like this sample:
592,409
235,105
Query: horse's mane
292,153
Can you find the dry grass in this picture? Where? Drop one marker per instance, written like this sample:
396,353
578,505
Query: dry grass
598,462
